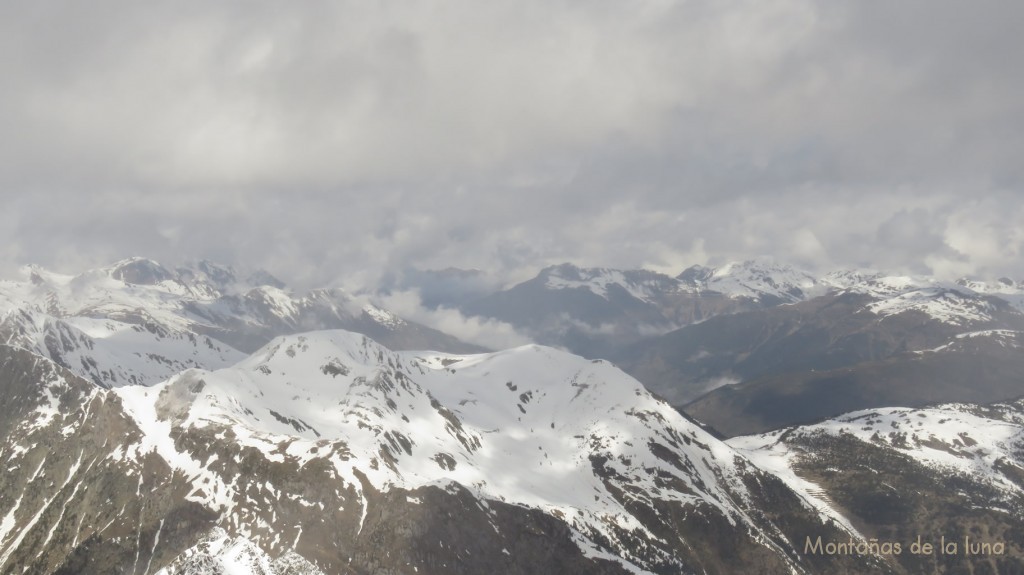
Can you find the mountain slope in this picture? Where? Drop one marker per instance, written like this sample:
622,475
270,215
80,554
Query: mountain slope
354,457
70,501
493,427
882,343
220,554
981,367
952,472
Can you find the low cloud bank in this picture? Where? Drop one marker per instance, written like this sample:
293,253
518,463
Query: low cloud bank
486,332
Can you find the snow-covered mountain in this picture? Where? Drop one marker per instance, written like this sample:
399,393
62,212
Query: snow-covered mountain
261,443
328,453
137,322
983,443
495,424
962,302
952,473
755,280
642,285
332,449
761,280
112,352
1002,288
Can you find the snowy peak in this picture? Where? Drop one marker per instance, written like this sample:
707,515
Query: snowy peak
757,279
530,426
1001,285
1003,288
845,279
203,278
911,474
113,353
218,553
696,277
271,301
963,303
640,284
140,271
981,442
882,286
770,282
328,453
597,312
753,279
209,276
760,278
946,305
972,440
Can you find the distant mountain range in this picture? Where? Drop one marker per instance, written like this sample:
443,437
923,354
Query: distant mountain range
591,311
751,346
595,311
137,322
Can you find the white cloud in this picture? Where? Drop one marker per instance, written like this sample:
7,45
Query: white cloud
715,383
489,333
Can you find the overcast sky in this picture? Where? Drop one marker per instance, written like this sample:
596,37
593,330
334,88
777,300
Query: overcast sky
331,142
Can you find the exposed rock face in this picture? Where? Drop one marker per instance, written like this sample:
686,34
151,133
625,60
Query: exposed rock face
71,502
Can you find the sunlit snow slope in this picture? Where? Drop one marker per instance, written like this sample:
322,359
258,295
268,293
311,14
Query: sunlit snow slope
530,426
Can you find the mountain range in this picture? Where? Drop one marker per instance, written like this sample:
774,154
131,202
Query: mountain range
594,311
187,422
756,345
136,322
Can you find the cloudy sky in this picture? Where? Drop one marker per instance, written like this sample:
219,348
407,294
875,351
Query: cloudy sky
333,142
